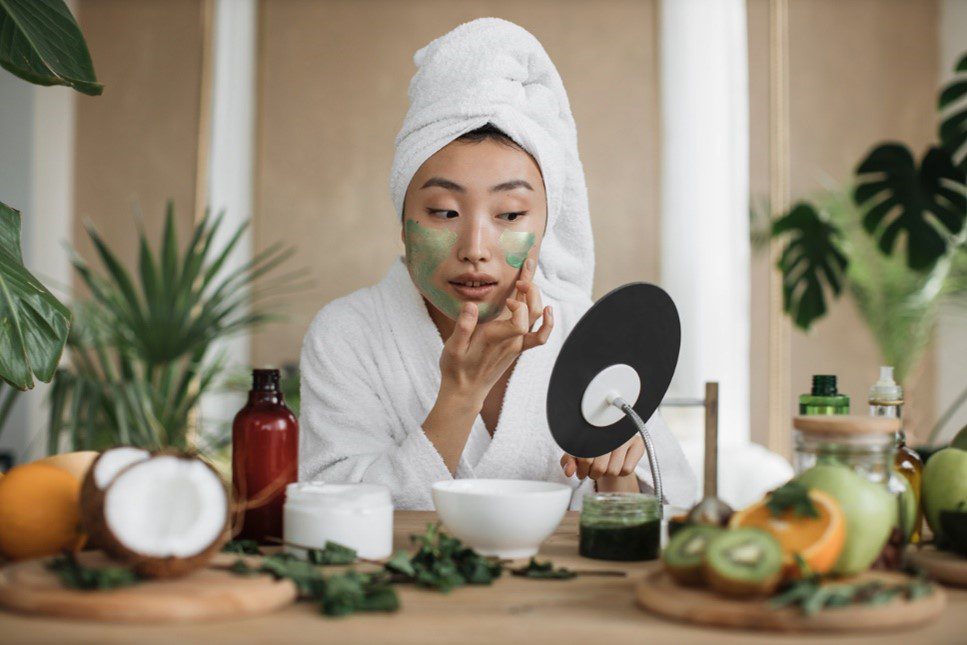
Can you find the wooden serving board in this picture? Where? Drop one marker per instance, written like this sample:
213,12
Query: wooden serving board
207,594
659,594
943,566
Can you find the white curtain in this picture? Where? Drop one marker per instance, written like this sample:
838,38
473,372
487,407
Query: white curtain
705,199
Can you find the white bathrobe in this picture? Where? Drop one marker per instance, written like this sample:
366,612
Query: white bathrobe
370,375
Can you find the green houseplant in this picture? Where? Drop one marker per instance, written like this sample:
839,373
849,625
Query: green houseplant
42,44
897,242
142,345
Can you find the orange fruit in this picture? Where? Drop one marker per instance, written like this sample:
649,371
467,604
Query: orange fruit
818,540
39,511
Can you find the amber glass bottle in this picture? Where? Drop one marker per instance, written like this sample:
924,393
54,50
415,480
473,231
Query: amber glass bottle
265,456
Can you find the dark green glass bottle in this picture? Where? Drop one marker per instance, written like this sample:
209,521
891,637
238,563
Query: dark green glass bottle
824,397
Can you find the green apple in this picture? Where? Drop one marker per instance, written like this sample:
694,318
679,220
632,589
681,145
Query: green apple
870,510
944,485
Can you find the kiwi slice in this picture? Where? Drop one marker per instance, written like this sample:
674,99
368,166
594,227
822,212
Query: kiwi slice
743,563
685,554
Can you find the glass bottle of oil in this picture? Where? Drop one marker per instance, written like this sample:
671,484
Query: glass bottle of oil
886,400
824,397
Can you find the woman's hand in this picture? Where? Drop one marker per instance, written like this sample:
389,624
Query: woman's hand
474,358
614,471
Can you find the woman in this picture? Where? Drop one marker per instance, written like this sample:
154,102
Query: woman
440,370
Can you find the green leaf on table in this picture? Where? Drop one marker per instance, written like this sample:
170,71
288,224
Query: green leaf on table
811,258
331,553
33,323
350,592
543,570
442,562
41,43
792,496
245,547
953,125
400,564
927,203
74,575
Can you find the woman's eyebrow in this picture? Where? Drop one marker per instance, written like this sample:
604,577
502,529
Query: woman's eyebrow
454,186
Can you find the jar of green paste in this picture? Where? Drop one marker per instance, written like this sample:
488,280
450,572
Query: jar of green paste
620,526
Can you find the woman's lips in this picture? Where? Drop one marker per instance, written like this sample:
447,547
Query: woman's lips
473,293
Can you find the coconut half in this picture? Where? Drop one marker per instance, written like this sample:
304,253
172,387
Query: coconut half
165,516
99,476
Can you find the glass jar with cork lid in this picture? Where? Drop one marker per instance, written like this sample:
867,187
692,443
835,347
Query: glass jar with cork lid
865,445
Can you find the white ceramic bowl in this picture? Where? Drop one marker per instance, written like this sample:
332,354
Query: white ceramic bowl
507,518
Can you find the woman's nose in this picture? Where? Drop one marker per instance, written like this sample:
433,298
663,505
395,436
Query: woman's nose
474,242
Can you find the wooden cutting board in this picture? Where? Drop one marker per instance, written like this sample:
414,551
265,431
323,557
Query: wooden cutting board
659,594
208,594
948,568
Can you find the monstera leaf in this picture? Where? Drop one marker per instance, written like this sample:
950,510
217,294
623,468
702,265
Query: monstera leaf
33,323
41,43
811,257
953,127
928,203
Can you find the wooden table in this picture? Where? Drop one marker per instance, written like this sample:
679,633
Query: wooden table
585,610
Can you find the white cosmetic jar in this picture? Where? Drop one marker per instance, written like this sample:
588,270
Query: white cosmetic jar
359,516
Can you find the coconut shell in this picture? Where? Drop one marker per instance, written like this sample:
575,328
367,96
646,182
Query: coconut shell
153,566
92,503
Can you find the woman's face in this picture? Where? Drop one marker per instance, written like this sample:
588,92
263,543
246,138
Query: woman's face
474,212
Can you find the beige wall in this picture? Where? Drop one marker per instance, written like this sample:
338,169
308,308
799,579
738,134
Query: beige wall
332,96
861,72
137,144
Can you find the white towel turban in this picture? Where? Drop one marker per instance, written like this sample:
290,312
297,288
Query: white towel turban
493,71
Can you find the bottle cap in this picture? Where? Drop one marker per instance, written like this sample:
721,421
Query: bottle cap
265,380
886,389
824,385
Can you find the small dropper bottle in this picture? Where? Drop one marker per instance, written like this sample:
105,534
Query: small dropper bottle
886,400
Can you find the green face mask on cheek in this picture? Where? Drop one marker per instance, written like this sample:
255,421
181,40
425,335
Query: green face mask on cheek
427,248
516,245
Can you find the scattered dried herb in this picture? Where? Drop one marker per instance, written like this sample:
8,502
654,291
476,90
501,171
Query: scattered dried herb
338,594
442,562
792,496
811,596
543,570
332,553
75,575
242,547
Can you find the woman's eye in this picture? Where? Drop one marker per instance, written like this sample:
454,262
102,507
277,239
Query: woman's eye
510,217
442,213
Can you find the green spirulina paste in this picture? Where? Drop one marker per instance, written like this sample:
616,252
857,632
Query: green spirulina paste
620,526
633,542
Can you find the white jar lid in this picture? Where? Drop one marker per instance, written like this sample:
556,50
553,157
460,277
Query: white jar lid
348,497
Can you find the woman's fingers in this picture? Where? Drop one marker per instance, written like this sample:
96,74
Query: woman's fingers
517,324
539,337
569,464
528,292
635,452
583,467
460,338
